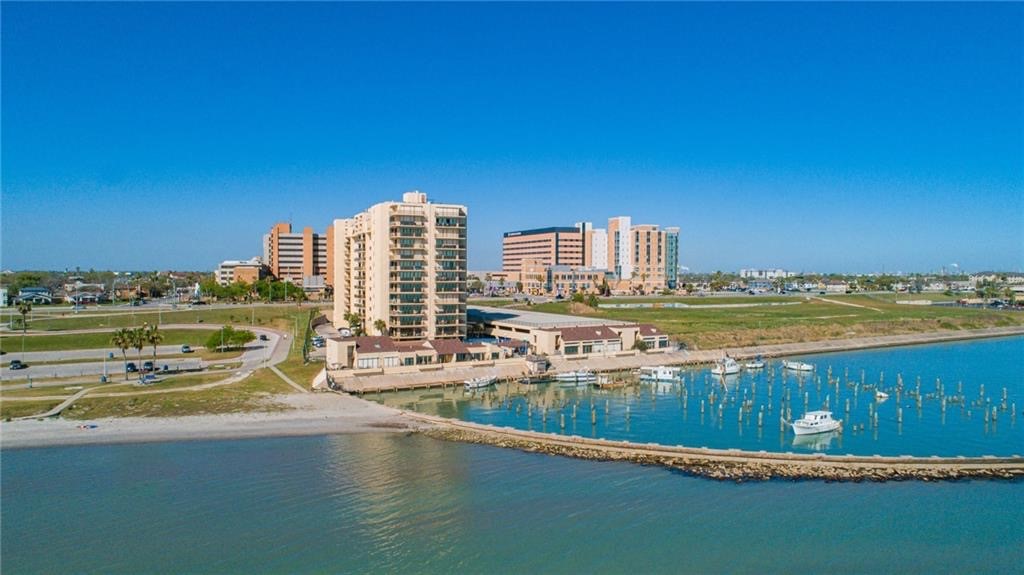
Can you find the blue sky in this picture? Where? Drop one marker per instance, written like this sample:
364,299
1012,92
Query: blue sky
849,137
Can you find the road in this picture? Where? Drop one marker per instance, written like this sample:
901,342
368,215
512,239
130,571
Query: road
31,357
255,355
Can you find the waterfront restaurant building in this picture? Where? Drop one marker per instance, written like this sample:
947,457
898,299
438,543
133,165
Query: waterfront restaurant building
403,264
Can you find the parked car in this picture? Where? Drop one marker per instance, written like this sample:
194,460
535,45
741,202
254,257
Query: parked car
186,349
148,367
263,337
17,364
130,367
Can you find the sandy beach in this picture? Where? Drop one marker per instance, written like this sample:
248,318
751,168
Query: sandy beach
311,414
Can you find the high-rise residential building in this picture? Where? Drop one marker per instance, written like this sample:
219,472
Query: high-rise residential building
401,268
649,254
620,252
294,257
672,257
551,246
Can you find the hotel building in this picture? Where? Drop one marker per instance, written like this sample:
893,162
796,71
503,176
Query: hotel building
551,246
403,263
298,257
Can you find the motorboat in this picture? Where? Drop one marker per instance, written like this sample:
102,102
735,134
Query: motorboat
815,422
659,373
576,377
881,396
481,382
756,363
797,366
725,366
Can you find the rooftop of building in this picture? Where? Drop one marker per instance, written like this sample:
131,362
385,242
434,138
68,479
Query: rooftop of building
563,229
533,319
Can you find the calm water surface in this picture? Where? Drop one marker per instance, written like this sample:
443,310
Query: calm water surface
971,376
391,503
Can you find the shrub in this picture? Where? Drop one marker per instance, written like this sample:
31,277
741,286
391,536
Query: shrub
229,338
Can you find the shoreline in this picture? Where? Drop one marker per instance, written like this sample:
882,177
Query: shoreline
310,414
337,413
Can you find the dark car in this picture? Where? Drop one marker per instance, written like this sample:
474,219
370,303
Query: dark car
16,364
148,367
131,367
263,337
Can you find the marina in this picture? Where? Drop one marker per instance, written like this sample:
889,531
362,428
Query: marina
938,407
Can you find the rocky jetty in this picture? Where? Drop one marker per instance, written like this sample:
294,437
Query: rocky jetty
739,466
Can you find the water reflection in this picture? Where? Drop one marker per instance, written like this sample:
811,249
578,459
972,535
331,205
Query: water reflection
817,441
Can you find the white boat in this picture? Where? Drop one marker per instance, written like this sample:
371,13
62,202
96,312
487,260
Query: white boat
725,366
756,363
797,366
815,422
881,395
576,377
659,373
480,382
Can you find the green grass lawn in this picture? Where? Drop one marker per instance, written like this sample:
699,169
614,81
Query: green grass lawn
280,317
12,343
254,393
9,409
810,320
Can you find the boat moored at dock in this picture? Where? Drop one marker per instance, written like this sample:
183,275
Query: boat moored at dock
660,373
480,382
815,422
756,363
580,377
725,366
797,366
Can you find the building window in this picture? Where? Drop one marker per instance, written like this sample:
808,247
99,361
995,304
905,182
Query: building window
588,348
571,349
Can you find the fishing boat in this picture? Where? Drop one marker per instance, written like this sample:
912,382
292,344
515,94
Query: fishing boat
580,377
481,382
881,396
756,363
725,366
659,373
815,422
797,366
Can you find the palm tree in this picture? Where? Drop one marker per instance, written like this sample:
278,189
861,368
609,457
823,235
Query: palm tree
138,341
122,339
381,326
23,308
153,337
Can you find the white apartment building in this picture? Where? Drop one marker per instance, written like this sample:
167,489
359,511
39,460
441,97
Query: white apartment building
403,263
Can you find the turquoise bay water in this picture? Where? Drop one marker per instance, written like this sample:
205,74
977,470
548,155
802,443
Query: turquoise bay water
664,413
404,504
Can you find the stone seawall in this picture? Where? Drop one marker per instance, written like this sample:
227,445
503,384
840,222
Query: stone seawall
731,464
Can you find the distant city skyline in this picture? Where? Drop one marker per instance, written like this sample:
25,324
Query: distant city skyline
811,137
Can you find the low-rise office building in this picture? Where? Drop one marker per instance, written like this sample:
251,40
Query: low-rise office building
240,271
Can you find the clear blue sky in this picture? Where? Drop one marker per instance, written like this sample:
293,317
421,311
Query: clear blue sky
850,137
